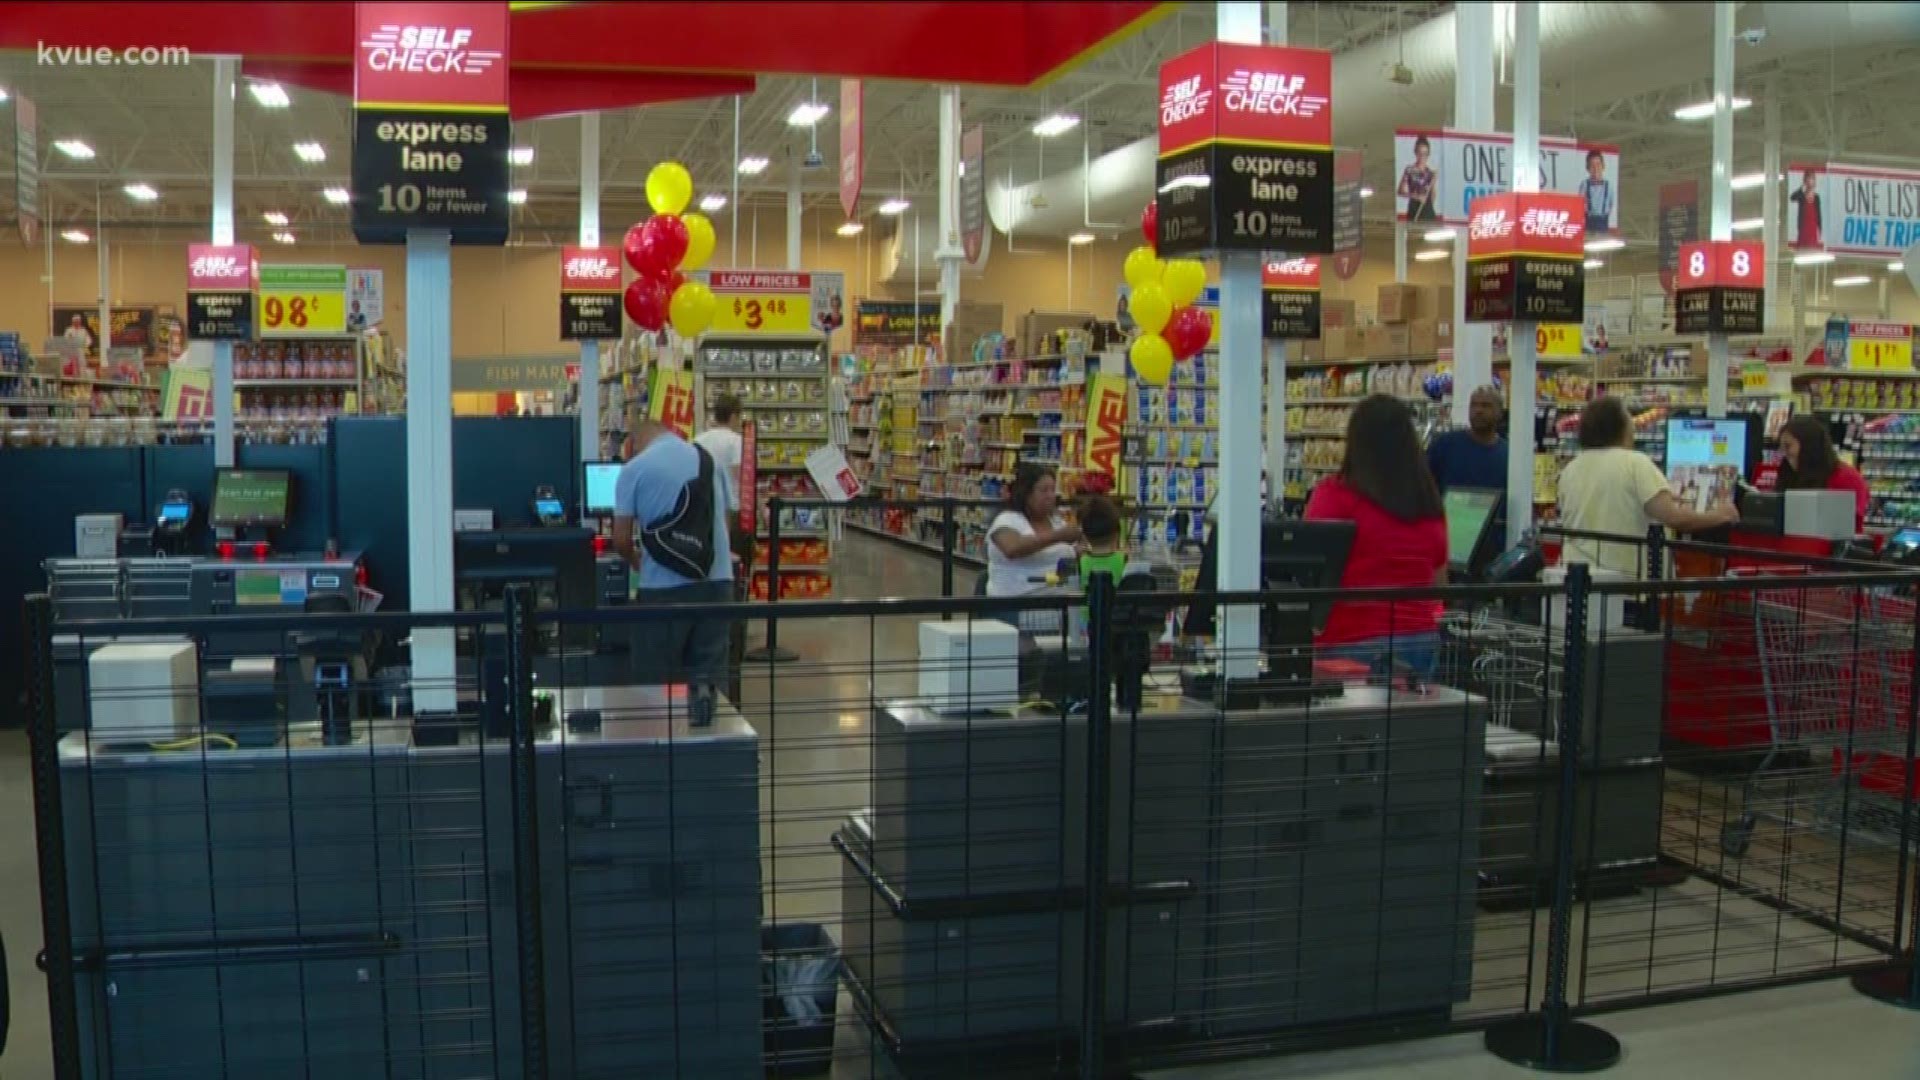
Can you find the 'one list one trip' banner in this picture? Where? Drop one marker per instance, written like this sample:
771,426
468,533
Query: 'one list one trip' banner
1525,258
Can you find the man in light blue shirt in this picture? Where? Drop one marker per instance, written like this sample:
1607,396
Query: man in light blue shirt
693,650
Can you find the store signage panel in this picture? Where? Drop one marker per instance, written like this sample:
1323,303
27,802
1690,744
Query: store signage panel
221,282
302,301
1719,287
1439,173
26,168
1106,425
1679,223
670,401
852,144
777,302
502,374
1525,252
1348,181
1246,150
589,294
431,131
1852,210
973,192
1557,341
1290,299
1871,346
901,321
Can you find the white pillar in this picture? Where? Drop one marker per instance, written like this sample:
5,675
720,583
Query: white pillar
430,460
1473,32
590,448
1522,347
1770,210
1720,223
1400,260
948,251
224,69
1238,504
793,211
1276,460
733,253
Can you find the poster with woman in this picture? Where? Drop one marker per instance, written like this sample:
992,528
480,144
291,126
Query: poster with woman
1804,217
1417,194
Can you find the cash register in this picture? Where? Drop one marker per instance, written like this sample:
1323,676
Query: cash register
1294,555
599,483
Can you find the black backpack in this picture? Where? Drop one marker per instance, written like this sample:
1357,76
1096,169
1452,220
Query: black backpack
682,541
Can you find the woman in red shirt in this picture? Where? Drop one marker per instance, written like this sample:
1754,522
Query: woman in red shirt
1807,462
1400,541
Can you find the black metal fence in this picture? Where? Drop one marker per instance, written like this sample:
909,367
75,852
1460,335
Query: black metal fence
1073,845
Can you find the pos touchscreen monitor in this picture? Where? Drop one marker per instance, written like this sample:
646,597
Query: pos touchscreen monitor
598,497
1708,458
250,498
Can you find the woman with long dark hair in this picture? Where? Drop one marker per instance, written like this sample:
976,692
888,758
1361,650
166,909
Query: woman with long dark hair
1400,540
1808,463
1030,537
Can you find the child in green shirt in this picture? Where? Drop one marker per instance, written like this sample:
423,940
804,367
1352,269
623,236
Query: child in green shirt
1105,547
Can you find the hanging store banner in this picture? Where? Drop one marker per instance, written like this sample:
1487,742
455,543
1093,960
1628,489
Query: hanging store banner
589,294
1106,425
973,192
1440,174
1290,299
221,282
1720,287
777,302
302,301
1246,150
366,298
1525,255
749,492
26,168
1679,224
1348,183
670,400
431,132
1851,210
852,144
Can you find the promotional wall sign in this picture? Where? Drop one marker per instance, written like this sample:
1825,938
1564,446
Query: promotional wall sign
1290,299
589,294
221,280
778,301
186,394
1557,341
1348,177
1851,210
80,324
431,132
894,322
972,204
1524,258
852,144
670,400
366,298
301,301
1246,150
1720,287
1869,346
513,374
26,169
1106,424
1679,223
1439,173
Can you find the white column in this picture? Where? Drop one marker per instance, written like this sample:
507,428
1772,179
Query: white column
1473,32
1522,347
793,211
1770,209
733,253
590,448
1276,460
948,251
1238,503
1400,262
223,90
1720,222
430,460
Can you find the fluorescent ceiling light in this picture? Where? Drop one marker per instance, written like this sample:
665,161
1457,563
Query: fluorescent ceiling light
1851,280
1813,258
74,236
310,152
74,148
518,196
712,203
1749,224
894,206
274,217
807,114
1193,180
1747,181
1595,264
338,196
1701,110
1366,193
752,166
1438,236
1897,266
283,237
3,93
521,155
1431,254
141,192
1057,124
1080,238
1606,243
851,228
269,95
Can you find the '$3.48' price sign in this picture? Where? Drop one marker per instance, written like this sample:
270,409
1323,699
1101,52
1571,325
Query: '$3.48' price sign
761,302
754,312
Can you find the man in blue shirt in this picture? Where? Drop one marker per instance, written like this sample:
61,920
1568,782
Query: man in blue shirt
1476,457
646,491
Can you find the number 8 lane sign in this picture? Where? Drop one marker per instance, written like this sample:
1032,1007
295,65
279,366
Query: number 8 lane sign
1720,288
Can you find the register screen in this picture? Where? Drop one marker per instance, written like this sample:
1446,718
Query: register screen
1706,460
601,476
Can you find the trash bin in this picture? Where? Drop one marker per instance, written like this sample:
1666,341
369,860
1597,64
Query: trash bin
799,984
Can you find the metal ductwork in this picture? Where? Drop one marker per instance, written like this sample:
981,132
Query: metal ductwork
898,259
1590,52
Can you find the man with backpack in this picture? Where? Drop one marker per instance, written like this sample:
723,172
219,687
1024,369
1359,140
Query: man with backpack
671,526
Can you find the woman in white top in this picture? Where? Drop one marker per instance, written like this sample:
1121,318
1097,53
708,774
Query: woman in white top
1610,487
1029,538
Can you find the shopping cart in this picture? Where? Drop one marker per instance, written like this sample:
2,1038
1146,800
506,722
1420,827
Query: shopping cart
1514,665
1836,666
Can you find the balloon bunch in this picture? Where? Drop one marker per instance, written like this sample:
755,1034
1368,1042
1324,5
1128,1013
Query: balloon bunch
662,249
1164,290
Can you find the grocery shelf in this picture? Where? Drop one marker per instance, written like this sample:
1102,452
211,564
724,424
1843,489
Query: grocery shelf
249,384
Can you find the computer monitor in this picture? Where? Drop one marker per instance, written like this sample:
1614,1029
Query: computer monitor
250,498
1707,458
1305,555
601,476
557,562
1470,515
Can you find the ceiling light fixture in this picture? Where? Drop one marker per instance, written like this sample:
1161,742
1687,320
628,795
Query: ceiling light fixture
1057,124
1813,258
274,217
75,236
1851,280
518,196
521,155
752,166
1439,236
1606,243
283,238
74,148
1366,193
269,95
310,152
713,203
338,196
1595,264
1702,110
1897,266
1080,238
3,93
807,114
1747,181
1431,254
893,207
141,192
1749,224
851,228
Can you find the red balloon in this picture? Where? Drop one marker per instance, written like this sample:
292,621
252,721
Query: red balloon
1150,224
663,243
646,303
669,280
1187,332
630,247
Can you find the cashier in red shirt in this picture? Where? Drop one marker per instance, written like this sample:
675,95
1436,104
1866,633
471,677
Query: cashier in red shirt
1808,463
1400,541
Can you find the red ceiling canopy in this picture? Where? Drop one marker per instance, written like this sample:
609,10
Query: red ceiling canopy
572,57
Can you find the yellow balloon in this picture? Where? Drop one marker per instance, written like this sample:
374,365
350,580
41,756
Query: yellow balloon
699,241
669,188
1143,267
1151,307
1152,359
691,309
1185,278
